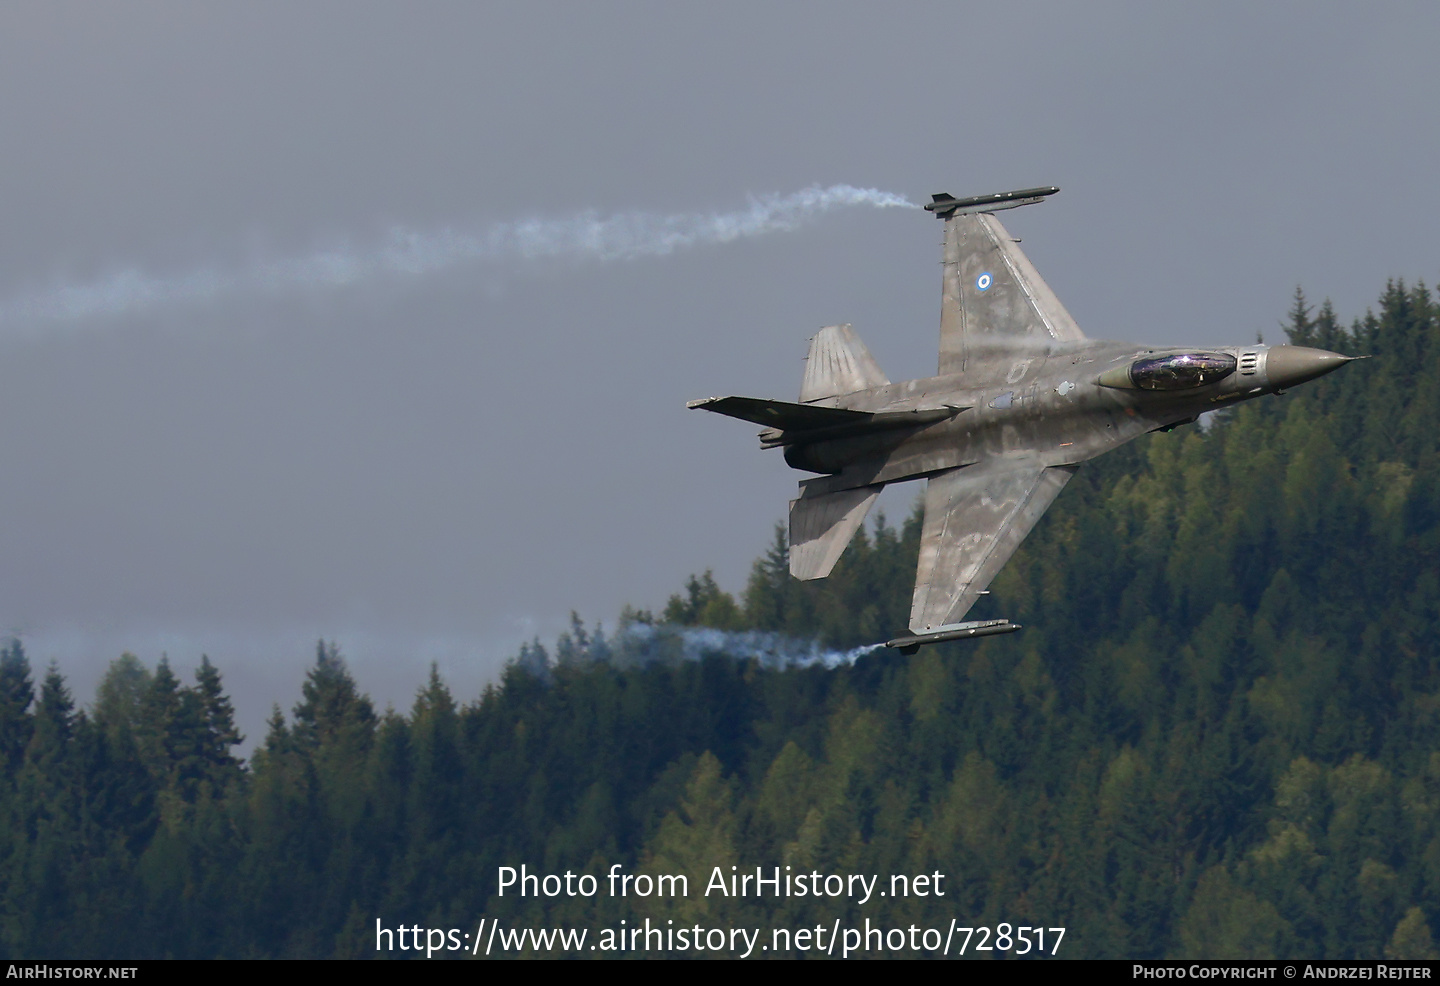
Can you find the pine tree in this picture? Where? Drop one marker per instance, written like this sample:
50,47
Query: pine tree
219,718
573,648
768,590
17,691
1300,328
122,695
48,815
704,604
55,717
158,714
190,747
333,710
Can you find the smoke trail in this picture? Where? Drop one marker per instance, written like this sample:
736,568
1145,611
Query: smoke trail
773,650
639,644
413,253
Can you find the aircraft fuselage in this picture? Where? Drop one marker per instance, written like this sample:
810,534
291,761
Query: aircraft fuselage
1022,398
1048,406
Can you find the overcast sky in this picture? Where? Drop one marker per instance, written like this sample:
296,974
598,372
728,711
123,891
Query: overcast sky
228,426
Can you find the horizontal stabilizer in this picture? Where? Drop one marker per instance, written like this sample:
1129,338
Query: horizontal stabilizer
781,414
796,424
821,527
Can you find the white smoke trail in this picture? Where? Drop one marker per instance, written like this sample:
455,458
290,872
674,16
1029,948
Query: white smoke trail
770,649
638,644
413,253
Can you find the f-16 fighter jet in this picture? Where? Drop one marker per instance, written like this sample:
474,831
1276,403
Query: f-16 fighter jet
1022,397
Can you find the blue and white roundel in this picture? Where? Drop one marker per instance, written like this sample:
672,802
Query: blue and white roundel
982,283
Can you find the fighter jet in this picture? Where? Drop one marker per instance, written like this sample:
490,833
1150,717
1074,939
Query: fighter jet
1021,399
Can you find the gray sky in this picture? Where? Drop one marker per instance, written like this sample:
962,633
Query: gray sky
436,465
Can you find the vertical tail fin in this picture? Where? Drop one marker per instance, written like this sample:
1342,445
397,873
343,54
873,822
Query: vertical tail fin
838,364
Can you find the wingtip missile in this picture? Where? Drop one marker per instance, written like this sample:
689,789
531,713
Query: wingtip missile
945,205
911,643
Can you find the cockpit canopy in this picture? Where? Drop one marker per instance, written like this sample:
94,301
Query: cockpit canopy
1181,371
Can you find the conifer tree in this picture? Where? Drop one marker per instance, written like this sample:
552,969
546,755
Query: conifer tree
767,592
704,604
333,710
121,697
1300,328
159,713
17,691
46,823
55,718
219,718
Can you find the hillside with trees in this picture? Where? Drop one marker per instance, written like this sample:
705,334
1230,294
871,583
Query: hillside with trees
1218,735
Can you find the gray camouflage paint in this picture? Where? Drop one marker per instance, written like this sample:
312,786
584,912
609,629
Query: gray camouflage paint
1021,400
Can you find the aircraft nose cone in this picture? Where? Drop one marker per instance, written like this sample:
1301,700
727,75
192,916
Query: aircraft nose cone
1289,365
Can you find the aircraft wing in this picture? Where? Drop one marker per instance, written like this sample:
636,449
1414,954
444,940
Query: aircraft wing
994,299
975,518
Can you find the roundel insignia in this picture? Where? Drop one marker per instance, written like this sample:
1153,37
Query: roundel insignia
982,282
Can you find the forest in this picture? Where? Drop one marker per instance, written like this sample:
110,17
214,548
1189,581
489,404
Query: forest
1218,734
